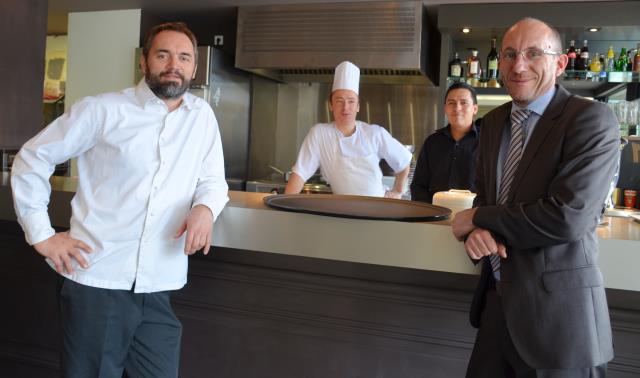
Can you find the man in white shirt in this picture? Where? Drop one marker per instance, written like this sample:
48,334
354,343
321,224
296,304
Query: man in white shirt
347,151
150,185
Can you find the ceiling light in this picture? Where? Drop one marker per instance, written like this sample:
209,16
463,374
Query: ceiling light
593,30
465,30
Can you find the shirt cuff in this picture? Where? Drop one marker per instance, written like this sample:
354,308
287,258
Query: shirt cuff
485,217
214,204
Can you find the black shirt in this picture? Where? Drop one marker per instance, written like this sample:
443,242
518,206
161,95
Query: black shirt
445,164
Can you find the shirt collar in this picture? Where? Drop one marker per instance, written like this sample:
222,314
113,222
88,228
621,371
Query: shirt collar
145,96
539,105
447,130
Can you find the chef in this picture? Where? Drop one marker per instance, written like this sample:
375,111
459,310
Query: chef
347,151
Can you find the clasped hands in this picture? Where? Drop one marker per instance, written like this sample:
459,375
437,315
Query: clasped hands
479,241
61,248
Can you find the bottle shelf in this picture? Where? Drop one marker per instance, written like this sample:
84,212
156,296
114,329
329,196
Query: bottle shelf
611,77
584,83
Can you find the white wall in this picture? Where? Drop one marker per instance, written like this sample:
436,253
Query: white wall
101,47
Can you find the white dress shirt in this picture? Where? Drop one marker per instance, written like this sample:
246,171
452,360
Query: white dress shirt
141,169
350,164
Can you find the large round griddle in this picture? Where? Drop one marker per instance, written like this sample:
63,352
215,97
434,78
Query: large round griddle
358,207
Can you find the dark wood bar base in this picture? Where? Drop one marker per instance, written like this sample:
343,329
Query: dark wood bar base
256,314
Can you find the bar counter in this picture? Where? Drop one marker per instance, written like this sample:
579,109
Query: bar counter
248,224
285,294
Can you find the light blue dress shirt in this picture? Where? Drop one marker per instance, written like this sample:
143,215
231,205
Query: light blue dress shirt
537,108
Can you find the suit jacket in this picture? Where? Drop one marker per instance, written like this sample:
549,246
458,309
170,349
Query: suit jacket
552,289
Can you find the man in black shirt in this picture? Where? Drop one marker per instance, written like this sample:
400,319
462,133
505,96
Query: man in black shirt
447,159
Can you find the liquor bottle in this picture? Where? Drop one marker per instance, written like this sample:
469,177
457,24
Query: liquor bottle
492,61
603,67
595,65
455,68
621,64
582,62
610,63
636,60
572,56
629,61
474,70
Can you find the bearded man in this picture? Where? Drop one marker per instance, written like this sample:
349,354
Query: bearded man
150,185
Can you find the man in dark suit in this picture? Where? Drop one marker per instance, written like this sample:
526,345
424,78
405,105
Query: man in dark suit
544,164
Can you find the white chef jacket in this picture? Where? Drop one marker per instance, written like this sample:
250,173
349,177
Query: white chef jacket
350,164
141,169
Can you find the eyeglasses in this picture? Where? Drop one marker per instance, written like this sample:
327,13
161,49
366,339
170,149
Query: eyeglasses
531,54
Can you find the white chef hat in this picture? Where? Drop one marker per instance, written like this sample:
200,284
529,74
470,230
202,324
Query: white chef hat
347,76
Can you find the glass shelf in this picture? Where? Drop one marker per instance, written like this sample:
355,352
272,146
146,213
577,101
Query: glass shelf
584,83
610,77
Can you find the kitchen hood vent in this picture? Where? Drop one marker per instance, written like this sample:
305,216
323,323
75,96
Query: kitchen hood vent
306,41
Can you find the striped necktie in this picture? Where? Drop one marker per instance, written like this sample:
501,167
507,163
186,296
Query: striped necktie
509,169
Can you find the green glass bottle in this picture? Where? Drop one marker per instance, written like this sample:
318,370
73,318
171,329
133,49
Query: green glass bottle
621,64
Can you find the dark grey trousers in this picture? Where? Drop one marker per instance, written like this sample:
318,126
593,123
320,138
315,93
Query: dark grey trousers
495,356
107,332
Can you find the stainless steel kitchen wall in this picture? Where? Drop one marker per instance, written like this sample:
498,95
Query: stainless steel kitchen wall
282,114
229,94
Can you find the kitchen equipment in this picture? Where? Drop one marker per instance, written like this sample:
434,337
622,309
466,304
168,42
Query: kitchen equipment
358,207
285,175
7,159
277,187
264,186
393,53
454,199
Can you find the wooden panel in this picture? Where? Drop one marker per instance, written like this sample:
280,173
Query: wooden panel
24,24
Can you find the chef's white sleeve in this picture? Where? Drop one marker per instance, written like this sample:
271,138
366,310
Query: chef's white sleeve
212,189
393,152
308,160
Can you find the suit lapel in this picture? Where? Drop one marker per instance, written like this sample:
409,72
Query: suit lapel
544,125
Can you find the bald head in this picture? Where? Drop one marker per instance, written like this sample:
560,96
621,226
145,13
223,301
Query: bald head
530,25
536,60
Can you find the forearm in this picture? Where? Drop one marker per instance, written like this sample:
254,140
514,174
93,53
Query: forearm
66,137
401,180
31,190
295,184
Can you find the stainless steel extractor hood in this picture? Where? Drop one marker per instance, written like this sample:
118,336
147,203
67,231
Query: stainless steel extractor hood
304,42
